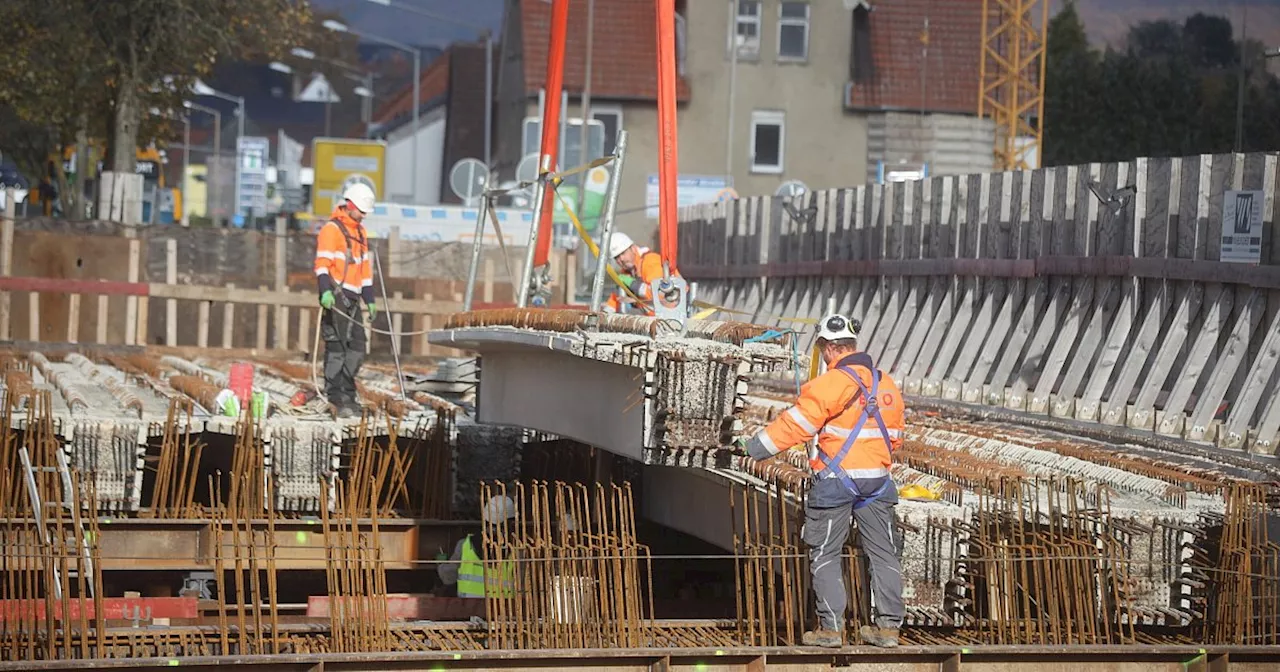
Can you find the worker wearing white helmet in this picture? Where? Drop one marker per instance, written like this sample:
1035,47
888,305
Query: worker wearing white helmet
344,275
640,266
466,567
856,413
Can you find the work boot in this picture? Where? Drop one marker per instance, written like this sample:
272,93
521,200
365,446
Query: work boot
827,639
875,635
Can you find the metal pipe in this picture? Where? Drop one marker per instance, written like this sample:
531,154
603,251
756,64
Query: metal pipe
607,217
476,246
539,194
186,167
733,84
488,99
417,103
217,161
239,139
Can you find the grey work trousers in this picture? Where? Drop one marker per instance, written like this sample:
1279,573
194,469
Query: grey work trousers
825,532
344,342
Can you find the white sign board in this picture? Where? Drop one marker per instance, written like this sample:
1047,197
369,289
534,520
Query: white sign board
447,223
690,190
251,175
1242,227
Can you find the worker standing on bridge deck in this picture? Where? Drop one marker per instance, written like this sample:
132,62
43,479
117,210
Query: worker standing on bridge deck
344,274
642,264
856,413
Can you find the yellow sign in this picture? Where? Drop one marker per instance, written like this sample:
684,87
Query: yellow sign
340,163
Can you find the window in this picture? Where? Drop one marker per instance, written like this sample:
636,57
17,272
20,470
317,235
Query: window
768,141
746,37
682,44
793,31
861,65
570,140
611,118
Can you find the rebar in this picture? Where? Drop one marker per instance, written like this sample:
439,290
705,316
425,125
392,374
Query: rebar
578,576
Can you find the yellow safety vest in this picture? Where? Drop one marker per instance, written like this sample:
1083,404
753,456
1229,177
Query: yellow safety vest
471,575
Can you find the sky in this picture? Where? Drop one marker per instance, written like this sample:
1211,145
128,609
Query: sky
1106,20
409,28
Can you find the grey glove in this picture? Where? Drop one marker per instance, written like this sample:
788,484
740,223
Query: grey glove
756,450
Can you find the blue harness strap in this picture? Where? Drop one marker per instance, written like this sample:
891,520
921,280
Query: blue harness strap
831,466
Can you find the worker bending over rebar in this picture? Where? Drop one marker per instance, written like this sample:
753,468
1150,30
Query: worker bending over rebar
856,412
344,274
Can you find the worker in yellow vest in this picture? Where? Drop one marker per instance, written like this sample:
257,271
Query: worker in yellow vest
466,566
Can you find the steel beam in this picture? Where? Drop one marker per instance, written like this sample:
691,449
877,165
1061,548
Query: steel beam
186,545
907,658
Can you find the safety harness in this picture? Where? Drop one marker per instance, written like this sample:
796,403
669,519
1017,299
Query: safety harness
870,410
348,307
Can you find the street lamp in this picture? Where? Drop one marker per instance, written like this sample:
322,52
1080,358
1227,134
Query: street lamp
1240,77
485,33
339,27
201,89
217,155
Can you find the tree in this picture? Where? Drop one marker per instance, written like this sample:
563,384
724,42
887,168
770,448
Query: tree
1170,92
154,49
51,87
1071,80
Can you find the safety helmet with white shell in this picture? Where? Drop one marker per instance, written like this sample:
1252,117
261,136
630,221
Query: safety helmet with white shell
836,328
498,509
361,196
619,243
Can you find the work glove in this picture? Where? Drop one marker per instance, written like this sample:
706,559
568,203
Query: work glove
756,450
326,299
373,311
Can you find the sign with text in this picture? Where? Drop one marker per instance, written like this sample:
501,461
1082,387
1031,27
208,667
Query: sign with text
341,163
690,190
251,175
1242,227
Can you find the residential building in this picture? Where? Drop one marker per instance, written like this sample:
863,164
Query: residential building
775,96
450,126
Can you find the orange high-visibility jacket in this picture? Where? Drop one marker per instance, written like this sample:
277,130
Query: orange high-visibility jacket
829,408
342,257
650,270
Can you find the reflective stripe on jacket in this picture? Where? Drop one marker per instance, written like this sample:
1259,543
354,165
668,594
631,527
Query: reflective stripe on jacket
472,581
828,408
342,256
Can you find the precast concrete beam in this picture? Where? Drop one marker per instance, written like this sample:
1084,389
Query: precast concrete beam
656,399
702,502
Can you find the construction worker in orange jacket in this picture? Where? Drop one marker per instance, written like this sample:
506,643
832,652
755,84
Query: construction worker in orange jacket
856,413
344,275
641,264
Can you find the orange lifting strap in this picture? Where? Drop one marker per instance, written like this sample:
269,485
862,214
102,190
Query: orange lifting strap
551,122
667,148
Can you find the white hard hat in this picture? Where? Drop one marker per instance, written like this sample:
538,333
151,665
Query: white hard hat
498,509
360,196
837,327
619,243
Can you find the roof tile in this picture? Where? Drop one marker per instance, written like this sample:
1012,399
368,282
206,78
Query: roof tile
624,53
903,78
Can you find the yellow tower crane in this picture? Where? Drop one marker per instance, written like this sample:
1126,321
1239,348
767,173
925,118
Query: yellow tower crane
1011,88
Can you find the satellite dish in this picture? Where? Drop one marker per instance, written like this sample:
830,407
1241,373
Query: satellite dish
791,189
527,169
467,179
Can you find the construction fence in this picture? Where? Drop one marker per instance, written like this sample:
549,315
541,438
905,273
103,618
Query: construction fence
1141,295
110,284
